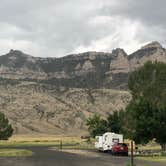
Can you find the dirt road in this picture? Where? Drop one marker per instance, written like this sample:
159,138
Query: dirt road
43,156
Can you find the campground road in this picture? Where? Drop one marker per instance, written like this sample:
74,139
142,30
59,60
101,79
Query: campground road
43,156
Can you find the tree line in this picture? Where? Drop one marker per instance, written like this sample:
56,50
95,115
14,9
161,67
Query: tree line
144,118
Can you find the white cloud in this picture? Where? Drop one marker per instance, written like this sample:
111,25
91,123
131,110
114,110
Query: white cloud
56,28
123,33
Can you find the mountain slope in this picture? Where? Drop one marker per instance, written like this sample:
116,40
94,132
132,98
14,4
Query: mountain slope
37,108
56,95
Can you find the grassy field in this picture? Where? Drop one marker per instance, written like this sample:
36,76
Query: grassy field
15,153
68,142
40,140
149,147
153,159
44,140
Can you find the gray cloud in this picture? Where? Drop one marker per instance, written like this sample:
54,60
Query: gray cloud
151,14
56,28
149,11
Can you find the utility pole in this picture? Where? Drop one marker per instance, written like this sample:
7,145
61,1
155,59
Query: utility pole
132,154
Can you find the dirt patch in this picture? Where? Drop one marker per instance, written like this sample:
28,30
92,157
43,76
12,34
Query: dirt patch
81,152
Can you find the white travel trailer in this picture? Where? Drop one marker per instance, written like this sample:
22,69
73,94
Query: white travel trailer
107,140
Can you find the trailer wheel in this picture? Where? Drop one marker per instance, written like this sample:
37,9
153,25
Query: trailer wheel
112,153
126,154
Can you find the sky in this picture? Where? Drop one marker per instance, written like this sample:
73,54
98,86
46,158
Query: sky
55,28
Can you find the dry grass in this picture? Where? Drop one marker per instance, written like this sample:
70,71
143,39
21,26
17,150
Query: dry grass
28,140
153,159
152,145
15,153
43,138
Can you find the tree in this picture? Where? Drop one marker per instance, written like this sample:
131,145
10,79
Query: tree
96,125
160,124
149,81
141,121
6,129
146,122
146,113
115,121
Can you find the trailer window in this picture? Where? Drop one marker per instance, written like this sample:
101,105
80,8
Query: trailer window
105,138
115,140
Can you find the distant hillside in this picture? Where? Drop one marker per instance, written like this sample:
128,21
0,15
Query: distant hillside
56,95
37,108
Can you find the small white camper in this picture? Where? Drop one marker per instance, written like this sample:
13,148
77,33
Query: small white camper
107,140
99,142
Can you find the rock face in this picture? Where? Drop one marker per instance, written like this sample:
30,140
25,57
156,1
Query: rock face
151,52
119,63
90,69
56,95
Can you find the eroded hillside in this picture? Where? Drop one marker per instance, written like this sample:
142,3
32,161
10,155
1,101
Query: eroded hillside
36,108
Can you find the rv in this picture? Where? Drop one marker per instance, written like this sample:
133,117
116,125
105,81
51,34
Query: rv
107,140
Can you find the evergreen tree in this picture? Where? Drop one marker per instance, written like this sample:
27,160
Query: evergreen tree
6,129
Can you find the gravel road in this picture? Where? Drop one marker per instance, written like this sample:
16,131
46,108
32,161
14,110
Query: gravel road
44,156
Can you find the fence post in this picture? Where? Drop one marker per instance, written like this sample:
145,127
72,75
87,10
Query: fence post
60,144
132,155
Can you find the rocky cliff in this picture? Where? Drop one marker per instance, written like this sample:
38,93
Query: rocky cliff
90,69
56,95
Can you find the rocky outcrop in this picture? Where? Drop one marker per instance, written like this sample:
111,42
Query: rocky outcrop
150,52
119,63
90,69
153,44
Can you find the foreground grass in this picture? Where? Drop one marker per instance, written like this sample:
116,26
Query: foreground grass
15,153
153,159
148,147
27,144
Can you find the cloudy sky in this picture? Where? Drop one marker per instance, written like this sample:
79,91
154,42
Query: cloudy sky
59,27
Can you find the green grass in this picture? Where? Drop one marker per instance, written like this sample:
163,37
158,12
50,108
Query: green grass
24,144
153,159
154,147
54,141
15,153
40,140
65,145
43,143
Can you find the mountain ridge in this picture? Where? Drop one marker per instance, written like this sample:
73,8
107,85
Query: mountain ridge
103,68
57,95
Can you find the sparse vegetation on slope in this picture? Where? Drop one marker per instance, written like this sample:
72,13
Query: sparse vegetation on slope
38,108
